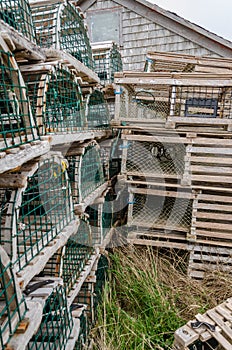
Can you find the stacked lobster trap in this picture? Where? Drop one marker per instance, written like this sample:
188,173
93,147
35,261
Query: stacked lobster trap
60,25
18,15
175,122
108,60
51,170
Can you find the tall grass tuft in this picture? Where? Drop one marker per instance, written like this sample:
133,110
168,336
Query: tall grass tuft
148,296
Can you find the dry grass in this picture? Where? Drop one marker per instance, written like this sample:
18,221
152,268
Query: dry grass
149,296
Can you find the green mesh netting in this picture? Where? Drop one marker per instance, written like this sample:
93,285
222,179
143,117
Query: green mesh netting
97,111
16,122
56,325
37,213
78,251
107,60
61,25
17,14
85,172
56,100
13,308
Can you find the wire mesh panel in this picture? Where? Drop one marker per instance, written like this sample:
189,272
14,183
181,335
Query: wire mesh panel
12,304
101,276
161,101
202,101
85,172
31,217
97,111
155,158
56,100
56,324
17,126
17,14
59,24
107,60
166,213
77,252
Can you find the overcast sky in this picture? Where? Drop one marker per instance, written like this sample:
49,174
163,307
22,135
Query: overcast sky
214,15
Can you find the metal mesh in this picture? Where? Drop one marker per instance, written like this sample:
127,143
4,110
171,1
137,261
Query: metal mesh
37,214
185,101
101,276
16,123
12,309
161,212
56,324
145,104
60,25
155,158
85,172
97,111
56,100
78,250
54,265
17,14
107,62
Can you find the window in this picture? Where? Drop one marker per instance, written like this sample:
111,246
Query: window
105,26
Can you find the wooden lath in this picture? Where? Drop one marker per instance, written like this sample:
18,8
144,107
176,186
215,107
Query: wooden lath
213,325
172,62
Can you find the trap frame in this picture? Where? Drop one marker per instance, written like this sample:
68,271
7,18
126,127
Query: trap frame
36,210
17,13
13,306
186,98
56,99
17,126
56,325
97,112
107,60
60,25
85,171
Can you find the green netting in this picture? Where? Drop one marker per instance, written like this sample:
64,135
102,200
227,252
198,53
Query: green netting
82,342
97,111
56,325
53,267
16,122
78,251
17,14
35,215
59,24
107,61
13,308
56,100
85,172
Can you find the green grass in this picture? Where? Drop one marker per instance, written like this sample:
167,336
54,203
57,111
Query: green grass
149,296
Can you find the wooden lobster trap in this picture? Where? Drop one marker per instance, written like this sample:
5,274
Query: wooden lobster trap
13,307
97,112
175,100
107,60
35,209
18,130
56,99
18,15
60,25
85,171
